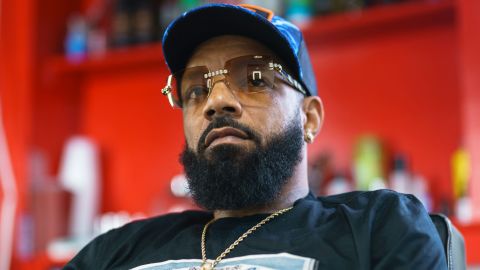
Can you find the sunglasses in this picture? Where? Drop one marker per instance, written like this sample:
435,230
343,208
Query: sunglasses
248,74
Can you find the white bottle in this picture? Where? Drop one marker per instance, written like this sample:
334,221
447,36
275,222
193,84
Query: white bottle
400,179
420,190
339,184
80,174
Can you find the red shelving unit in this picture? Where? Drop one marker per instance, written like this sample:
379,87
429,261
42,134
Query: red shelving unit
328,28
379,20
112,61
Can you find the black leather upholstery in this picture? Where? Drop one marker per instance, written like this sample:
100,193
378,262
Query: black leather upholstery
452,240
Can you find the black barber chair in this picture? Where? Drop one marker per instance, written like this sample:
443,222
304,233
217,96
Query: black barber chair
452,242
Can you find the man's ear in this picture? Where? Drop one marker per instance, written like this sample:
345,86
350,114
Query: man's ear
313,120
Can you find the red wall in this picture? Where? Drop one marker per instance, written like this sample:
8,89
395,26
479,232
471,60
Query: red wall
16,76
470,80
139,134
401,86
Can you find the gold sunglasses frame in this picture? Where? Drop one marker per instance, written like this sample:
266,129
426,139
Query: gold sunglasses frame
287,78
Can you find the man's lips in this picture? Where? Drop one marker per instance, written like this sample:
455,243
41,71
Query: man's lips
224,132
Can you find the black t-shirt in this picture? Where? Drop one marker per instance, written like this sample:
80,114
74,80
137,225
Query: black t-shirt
357,230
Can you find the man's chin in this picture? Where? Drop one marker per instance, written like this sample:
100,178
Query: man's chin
226,151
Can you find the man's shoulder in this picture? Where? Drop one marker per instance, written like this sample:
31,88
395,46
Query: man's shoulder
108,248
378,202
366,197
165,222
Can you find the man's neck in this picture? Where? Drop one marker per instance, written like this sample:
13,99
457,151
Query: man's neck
271,208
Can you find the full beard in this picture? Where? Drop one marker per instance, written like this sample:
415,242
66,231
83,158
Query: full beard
230,177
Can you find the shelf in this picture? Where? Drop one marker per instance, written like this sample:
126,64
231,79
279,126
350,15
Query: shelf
379,19
349,24
114,59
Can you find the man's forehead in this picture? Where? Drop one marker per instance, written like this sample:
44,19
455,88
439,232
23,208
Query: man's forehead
215,51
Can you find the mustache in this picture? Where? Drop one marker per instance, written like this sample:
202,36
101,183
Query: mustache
225,121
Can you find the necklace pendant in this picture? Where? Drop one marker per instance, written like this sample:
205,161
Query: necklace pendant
206,266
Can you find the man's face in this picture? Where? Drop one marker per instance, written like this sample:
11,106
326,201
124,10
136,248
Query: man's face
266,113
240,149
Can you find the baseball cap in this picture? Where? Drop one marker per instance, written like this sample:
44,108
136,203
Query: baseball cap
194,27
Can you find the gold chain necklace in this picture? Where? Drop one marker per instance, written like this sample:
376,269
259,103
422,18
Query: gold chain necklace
210,266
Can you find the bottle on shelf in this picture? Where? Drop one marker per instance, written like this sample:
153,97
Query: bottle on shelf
96,42
76,38
168,10
188,4
320,172
461,175
299,11
368,163
419,188
400,178
339,184
404,181
120,35
143,22
80,175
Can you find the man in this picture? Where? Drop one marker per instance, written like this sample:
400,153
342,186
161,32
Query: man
244,82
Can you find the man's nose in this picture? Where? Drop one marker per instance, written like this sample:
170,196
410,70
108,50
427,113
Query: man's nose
222,101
